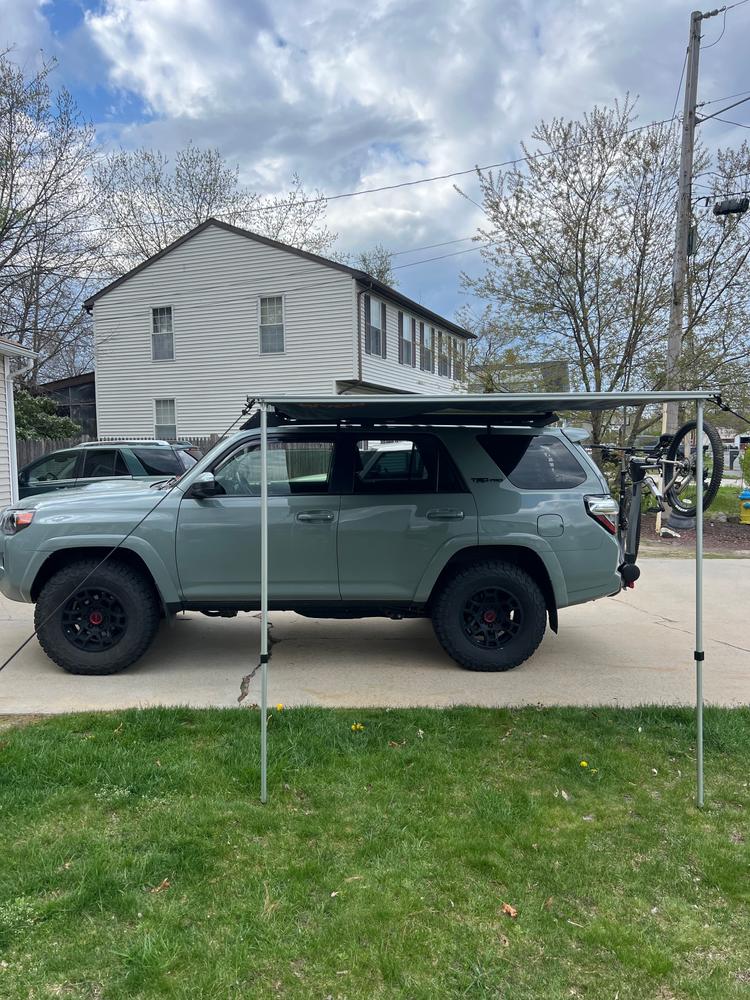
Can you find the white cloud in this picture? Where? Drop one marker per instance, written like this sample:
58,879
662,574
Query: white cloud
355,95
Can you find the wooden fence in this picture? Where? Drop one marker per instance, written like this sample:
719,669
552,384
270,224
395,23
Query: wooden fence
27,451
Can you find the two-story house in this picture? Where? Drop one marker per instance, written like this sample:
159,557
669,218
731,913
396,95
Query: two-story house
222,313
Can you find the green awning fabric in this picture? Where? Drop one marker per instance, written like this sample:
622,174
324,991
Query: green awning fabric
501,407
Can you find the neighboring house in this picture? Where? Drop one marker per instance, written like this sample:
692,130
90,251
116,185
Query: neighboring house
74,397
13,361
183,338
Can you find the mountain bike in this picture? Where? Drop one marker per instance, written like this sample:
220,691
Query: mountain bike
675,458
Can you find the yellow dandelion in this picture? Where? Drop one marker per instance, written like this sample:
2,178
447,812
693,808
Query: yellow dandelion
279,707
584,763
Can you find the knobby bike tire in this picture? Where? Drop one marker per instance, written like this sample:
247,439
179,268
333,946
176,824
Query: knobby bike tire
630,553
711,487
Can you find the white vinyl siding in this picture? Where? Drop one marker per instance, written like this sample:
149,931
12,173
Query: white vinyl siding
388,374
214,283
272,324
165,419
162,334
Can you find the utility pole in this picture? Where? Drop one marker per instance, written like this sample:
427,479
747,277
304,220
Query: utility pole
670,417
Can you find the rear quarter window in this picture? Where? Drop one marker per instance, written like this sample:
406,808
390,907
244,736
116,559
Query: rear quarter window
159,461
534,463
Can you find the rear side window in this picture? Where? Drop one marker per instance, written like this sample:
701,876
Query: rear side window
534,463
101,463
159,461
411,465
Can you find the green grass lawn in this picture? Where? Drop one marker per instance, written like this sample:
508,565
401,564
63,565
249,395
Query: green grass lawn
138,862
727,500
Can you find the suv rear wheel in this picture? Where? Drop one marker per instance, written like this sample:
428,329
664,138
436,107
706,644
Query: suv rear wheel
98,625
490,616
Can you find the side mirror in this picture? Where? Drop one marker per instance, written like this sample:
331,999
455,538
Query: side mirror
204,486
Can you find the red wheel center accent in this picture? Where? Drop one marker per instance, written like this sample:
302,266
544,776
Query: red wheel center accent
489,616
96,618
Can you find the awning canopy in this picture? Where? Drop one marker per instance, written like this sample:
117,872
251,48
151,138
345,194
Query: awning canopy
528,408
482,408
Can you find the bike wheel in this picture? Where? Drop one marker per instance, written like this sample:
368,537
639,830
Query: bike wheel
680,469
630,537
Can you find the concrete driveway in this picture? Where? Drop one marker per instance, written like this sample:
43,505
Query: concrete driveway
631,649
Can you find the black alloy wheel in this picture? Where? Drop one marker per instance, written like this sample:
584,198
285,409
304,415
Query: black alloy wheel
94,619
492,617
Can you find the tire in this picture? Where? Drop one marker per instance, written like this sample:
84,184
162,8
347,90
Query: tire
630,552
677,500
484,595
99,625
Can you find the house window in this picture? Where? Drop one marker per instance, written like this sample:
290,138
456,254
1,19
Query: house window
162,334
459,370
272,324
428,339
443,361
374,326
165,419
406,329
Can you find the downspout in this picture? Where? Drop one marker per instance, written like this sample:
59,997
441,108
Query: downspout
10,410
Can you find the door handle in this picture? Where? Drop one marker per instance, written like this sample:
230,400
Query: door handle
445,514
315,515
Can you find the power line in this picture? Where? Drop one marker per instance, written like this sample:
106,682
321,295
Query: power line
431,246
324,199
723,29
722,110
728,122
442,256
717,100
679,85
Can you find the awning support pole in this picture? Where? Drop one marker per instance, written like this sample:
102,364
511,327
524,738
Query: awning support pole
263,602
699,603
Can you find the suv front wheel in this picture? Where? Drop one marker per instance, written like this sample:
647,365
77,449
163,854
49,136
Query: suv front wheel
99,623
490,616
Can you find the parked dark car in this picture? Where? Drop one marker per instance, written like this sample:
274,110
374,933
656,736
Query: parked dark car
95,461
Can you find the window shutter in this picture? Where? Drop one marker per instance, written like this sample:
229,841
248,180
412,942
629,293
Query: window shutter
463,359
421,346
400,338
413,343
382,324
368,349
432,351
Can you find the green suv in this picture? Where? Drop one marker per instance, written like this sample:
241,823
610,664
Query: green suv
487,532
97,460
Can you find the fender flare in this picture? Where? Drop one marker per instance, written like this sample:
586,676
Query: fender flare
516,540
164,581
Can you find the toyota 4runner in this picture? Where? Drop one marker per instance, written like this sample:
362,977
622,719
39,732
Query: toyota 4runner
487,532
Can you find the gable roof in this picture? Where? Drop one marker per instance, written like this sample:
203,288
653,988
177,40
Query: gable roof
377,286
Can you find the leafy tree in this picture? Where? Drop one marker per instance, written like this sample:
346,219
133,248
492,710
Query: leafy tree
579,258
47,249
145,201
36,417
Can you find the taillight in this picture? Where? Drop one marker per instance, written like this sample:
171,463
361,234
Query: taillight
604,511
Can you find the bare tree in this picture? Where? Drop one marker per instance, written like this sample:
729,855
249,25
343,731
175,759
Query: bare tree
579,256
145,202
377,262
47,248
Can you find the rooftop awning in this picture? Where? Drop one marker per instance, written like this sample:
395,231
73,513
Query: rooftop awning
498,407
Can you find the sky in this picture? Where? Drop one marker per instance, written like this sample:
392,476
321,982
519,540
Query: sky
355,95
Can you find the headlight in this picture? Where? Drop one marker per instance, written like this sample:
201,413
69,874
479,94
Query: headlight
14,521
